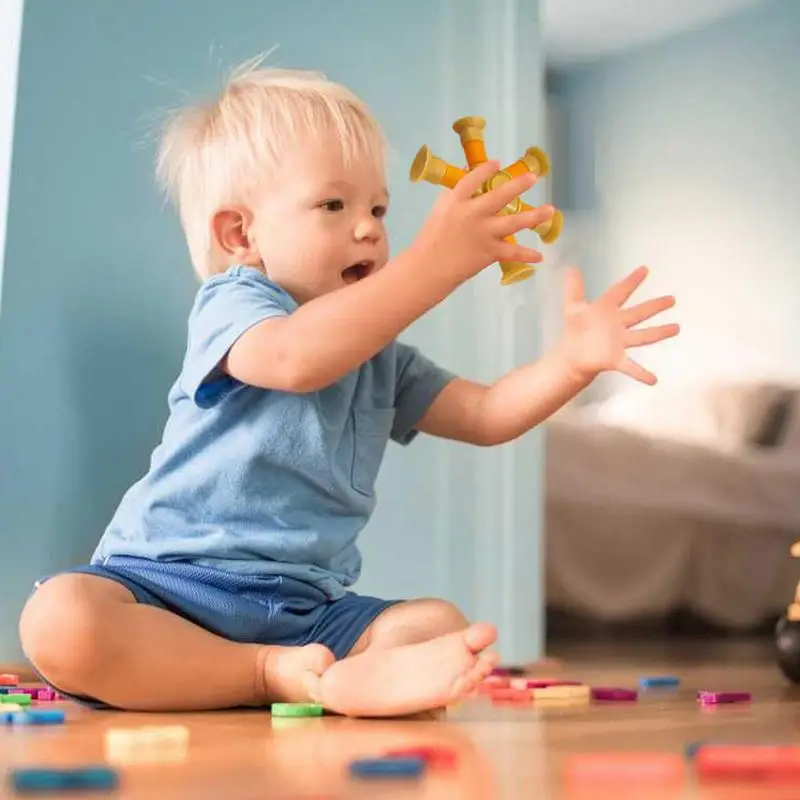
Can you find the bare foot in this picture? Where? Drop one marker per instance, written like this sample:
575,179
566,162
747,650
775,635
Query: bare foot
288,671
407,679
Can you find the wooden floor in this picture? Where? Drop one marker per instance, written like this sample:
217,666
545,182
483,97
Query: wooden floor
514,752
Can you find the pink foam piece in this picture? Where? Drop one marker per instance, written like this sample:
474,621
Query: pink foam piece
607,693
46,695
502,672
546,683
716,698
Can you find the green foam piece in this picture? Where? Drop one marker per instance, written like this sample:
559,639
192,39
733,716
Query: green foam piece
19,699
296,710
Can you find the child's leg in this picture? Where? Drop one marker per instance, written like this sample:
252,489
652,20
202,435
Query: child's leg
415,656
411,622
89,637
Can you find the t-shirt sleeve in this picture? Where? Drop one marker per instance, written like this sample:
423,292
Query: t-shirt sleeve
419,381
225,308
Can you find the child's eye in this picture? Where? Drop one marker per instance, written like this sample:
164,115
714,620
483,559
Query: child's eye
332,205
379,211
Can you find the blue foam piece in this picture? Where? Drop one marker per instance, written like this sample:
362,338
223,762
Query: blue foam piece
690,749
388,767
39,716
54,780
659,682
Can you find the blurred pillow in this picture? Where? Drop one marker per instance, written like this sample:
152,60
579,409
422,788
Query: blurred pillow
776,424
726,416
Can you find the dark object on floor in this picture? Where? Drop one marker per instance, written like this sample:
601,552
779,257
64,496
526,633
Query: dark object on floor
787,641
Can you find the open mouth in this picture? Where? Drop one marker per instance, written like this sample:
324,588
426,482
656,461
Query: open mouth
355,272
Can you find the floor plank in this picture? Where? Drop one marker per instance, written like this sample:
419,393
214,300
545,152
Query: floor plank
504,751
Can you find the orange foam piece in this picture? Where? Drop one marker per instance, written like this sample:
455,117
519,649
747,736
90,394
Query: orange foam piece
664,769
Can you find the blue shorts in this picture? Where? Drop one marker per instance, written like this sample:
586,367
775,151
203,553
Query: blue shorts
241,608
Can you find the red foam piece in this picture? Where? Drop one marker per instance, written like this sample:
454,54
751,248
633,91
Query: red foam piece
748,762
435,757
625,769
511,696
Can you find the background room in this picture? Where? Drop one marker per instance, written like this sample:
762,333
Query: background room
674,508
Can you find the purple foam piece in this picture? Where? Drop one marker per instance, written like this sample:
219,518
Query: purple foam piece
716,698
603,693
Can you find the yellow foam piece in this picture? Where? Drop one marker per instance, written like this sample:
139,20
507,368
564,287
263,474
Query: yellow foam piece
561,693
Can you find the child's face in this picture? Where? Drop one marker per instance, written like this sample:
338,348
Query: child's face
319,226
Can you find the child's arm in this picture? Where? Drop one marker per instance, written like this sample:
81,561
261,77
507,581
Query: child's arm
595,340
331,335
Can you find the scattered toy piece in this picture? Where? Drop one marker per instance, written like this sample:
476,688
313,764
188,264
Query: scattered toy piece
717,698
8,679
691,749
46,695
434,757
148,744
35,716
7,713
542,683
748,762
510,696
561,693
40,780
296,710
661,768
659,682
508,671
16,699
388,767
613,694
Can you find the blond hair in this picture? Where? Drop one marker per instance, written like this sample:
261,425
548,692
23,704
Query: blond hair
220,152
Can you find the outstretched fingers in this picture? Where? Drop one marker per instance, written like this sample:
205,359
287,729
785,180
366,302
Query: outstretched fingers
636,371
620,292
644,311
657,333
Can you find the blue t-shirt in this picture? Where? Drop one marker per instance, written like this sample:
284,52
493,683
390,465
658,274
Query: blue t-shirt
263,481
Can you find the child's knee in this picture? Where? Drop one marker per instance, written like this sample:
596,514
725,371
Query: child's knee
444,614
61,626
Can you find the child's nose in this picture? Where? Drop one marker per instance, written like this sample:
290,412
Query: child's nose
369,228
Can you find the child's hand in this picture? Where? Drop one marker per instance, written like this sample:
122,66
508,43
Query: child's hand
465,233
596,335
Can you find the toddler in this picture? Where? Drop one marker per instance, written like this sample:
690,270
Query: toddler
224,577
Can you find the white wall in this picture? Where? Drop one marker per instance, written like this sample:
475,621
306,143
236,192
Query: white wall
10,34
683,156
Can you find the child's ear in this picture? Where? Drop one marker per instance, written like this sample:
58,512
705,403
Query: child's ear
230,229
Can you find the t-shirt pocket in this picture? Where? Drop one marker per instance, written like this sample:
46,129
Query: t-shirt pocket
372,428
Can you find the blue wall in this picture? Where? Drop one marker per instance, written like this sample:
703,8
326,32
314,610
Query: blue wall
97,281
683,155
